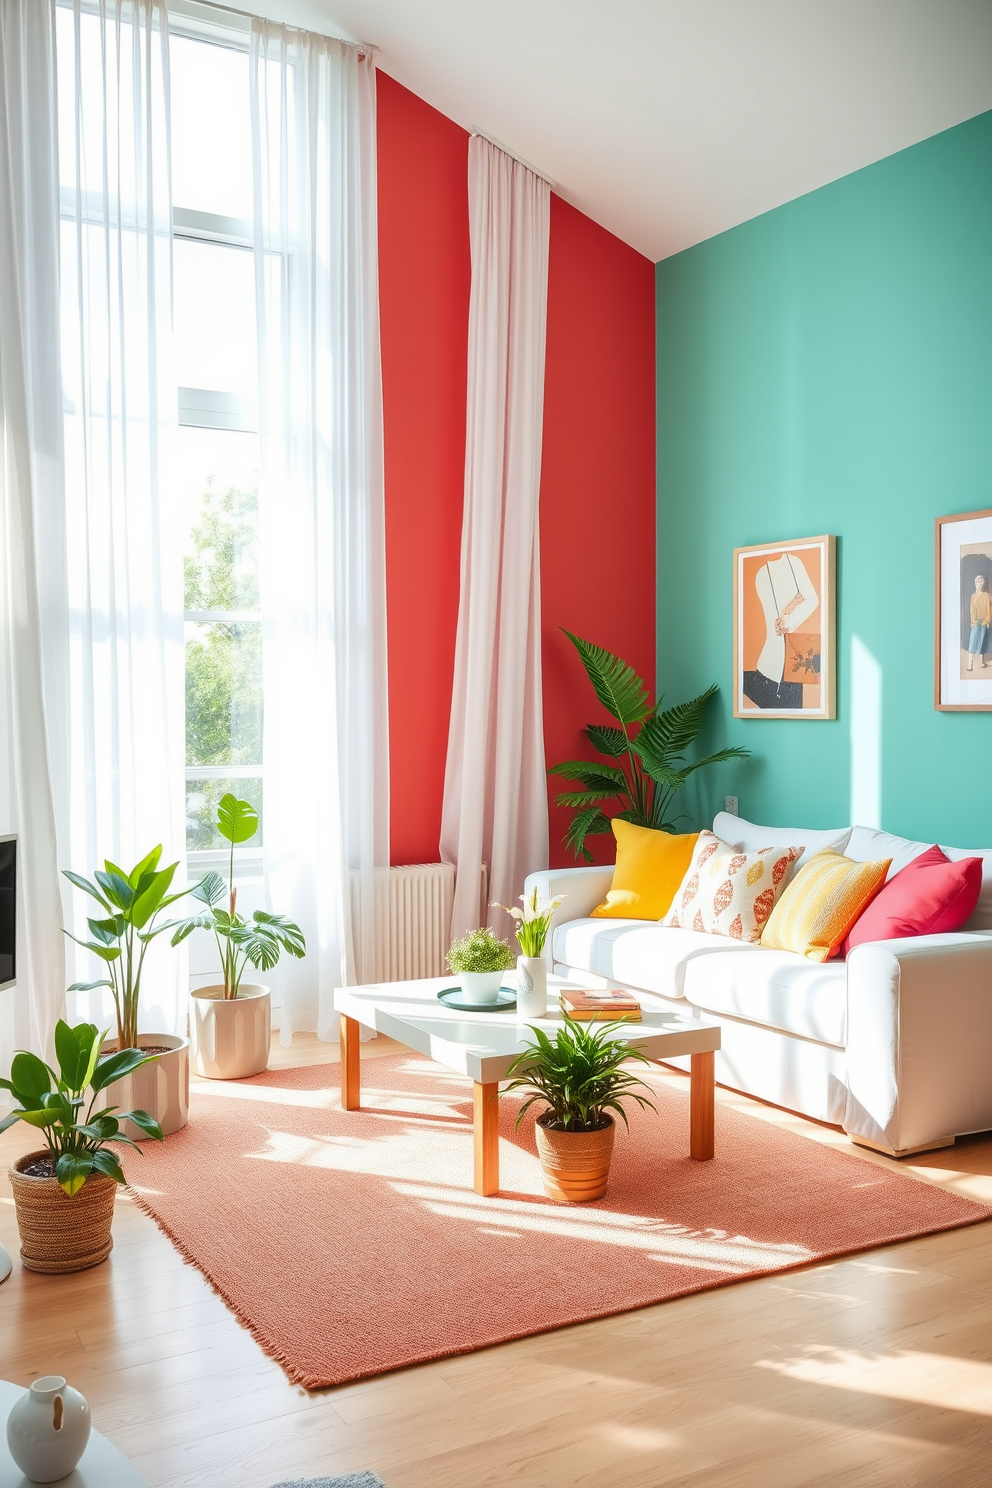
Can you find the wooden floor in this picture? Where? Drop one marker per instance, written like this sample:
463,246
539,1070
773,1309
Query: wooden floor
868,1371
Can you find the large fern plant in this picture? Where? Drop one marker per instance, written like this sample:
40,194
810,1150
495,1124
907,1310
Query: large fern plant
644,765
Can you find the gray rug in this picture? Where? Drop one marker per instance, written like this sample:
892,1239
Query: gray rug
350,1480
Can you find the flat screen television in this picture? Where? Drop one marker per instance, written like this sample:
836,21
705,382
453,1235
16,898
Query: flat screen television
8,910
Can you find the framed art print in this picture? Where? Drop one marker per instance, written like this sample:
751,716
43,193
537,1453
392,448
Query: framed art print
784,630
963,628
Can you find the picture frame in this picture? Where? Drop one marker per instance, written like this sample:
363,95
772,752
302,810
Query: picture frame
785,629
962,677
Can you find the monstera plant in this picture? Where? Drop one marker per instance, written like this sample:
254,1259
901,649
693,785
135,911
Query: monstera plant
644,763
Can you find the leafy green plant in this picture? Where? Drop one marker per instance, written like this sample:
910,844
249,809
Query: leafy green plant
131,902
645,764
533,921
258,942
481,950
578,1076
77,1143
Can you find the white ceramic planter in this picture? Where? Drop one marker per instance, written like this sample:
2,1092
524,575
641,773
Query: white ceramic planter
480,987
47,1430
160,1087
532,986
229,1038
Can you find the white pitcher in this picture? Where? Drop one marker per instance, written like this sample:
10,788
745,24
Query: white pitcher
47,1429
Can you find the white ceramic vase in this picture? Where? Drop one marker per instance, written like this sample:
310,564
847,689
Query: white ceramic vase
532,986
481,988
230,1037
47,1430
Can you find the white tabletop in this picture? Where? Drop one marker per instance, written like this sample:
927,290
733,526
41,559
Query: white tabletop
483,1045
101,1465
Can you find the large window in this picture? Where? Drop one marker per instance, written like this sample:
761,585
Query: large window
214,290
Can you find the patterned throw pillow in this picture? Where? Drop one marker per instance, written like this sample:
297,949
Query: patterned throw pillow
726,892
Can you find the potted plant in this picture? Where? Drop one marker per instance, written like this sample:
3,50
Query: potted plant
64,1194
579,1078
479,960
131,904
230,1022
532,925
644,766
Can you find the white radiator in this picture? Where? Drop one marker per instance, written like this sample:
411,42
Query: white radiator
412,917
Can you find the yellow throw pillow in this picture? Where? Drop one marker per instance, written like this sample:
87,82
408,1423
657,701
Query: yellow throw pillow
650,867
821,904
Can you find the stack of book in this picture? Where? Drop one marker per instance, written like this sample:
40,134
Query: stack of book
611,1006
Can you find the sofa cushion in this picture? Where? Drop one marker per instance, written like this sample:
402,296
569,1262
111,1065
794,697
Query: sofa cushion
776,989
649,868
726,892
869,842
649,957
748,836
927,897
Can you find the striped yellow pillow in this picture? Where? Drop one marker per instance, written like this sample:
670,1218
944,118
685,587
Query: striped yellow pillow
821,904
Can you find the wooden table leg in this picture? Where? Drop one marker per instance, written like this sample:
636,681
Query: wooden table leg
351,1069
485,1112
701,1107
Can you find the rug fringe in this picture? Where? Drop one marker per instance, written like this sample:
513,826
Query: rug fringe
297,1376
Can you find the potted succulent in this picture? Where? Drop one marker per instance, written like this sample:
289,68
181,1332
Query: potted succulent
479,960
230,1022
131,903
533,923
64,1194
579,1078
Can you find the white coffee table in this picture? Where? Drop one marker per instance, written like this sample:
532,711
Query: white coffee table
101,1465
483,1045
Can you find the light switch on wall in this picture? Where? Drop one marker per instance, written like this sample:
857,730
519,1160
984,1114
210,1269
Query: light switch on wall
730,805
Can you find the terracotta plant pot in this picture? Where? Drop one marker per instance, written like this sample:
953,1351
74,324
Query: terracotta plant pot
575,1165
58,1233
229,1038
160,1087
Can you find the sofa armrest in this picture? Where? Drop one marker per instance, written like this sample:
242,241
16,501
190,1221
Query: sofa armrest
583,889
919,1039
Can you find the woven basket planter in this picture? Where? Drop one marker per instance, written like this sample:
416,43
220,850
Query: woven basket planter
575,1165
58,1233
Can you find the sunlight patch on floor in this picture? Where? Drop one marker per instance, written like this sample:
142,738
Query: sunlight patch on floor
641,1438
709,1250
919,1378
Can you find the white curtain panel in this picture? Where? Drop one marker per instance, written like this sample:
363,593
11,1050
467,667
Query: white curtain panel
325,820
124,737
495,808
31,574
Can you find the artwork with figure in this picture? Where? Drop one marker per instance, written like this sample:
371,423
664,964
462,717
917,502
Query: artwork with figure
783,630
964,612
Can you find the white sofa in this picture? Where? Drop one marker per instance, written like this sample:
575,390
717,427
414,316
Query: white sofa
894,1044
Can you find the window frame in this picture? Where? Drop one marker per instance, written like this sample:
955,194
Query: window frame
214,408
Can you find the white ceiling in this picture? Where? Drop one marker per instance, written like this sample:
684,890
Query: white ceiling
670,120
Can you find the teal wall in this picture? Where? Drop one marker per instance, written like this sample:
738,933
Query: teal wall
827,367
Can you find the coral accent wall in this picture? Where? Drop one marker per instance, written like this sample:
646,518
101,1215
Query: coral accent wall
597,481
424,277
598,554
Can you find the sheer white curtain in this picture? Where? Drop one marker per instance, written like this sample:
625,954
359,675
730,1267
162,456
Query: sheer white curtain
321,518
495,806
31,550
125,731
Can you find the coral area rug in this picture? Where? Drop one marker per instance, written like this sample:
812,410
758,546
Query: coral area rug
351,1243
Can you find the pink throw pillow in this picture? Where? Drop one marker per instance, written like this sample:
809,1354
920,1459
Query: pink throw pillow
928,896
